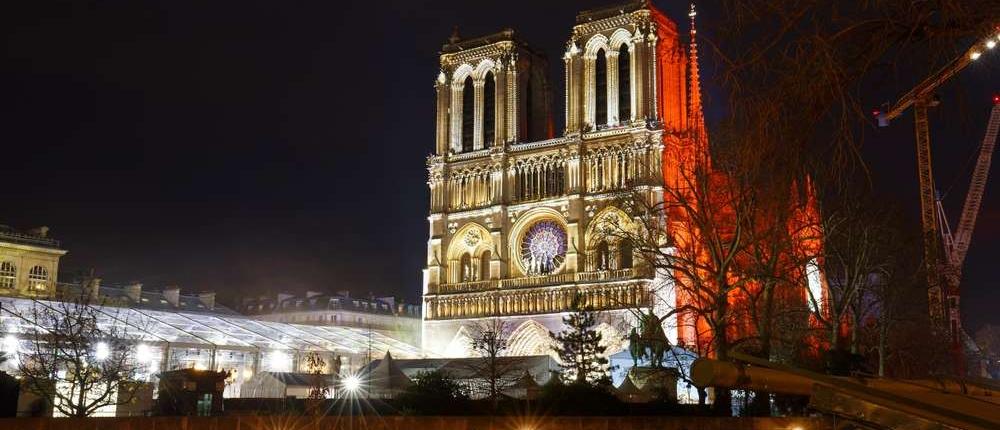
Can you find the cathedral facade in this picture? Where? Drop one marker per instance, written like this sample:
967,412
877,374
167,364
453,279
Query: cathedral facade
516,212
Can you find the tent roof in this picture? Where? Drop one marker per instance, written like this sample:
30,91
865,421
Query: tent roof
387,375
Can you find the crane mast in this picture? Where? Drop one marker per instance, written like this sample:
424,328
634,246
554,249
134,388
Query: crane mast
944,271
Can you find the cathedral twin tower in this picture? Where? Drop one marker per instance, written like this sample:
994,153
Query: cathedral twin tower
517,214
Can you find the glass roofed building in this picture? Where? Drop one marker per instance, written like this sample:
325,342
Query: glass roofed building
178,339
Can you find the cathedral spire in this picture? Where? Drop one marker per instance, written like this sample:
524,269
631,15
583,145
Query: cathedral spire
696,117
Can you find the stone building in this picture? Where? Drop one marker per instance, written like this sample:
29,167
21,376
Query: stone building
29,262
516,213
386,315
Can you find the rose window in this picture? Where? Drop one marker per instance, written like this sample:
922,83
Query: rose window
543,248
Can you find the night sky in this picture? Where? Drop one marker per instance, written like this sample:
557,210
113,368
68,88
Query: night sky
251,147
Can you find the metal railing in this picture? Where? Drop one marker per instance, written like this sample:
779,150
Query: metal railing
27,239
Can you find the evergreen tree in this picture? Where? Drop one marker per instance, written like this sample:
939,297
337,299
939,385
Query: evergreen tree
579,347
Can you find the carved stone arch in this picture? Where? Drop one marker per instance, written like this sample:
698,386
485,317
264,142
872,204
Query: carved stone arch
472,238
594,44
600,220
458,78
530,338
619,37
486,65
460,345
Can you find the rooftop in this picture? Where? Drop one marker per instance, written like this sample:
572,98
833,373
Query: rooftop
36,236
316,301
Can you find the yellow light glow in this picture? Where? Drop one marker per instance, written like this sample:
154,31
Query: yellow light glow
975,55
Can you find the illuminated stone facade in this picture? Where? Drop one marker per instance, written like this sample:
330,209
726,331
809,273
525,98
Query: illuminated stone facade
515,213
29,262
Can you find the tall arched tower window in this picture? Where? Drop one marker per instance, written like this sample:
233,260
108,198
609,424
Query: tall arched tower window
601,88
624,85
468,114
489,110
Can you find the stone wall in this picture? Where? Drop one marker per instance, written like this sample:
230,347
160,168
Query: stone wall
415,423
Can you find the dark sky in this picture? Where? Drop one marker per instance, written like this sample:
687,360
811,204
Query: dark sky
255,146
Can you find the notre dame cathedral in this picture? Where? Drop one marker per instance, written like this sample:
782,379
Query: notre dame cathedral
515,210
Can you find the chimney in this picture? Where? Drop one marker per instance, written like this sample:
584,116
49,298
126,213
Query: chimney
42,231
345,293
173,295
284,296
208,299
93,289
134,291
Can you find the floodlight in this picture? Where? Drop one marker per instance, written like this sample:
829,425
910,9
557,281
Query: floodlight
352,383
102,351
143,354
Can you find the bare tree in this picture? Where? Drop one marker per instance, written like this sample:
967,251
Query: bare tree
490,341
800,77
854,255
80,357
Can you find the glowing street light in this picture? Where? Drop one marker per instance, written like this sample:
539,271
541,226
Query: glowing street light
352,384
143,354
102,351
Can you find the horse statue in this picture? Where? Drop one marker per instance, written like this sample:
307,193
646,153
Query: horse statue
650,341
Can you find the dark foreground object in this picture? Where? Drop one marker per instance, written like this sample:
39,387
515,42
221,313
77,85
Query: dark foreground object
277,422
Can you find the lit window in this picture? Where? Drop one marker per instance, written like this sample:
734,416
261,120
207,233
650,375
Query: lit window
38,277
8,275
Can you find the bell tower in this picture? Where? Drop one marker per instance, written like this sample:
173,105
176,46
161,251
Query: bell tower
625,65
491,91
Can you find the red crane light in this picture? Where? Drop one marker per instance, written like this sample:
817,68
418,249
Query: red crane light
996,99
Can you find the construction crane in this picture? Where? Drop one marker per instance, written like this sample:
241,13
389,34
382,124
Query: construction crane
944,271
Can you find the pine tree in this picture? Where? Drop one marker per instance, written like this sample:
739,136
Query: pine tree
579,347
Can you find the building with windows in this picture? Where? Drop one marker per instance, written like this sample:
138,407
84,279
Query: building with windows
171,330
522,222
385,315
29,261
517,214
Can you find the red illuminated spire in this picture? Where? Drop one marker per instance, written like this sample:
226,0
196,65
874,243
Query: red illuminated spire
696,118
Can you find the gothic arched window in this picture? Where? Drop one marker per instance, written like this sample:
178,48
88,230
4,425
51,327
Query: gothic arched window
626,254
489,110
543,248
601,88
8,275
468,114
624,86
465,268
484,265
38,277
